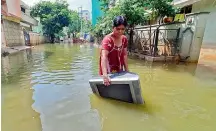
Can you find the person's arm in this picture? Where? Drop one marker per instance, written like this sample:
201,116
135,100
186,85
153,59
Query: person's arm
126,59
126,55
104,60
104,57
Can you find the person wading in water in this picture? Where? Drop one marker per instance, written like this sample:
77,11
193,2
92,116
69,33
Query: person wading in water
113,52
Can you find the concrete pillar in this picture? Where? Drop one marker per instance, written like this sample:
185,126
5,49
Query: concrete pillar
196,23
208,49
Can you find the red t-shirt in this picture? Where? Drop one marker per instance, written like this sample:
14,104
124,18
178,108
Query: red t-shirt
115,55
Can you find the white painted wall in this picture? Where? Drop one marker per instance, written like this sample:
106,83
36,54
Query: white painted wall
208,49
210,31
199,28
204,5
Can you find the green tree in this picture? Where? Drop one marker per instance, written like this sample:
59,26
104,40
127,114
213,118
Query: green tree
104,25
86,26
104,5
54,16
75,24
134,11
60,34
162,8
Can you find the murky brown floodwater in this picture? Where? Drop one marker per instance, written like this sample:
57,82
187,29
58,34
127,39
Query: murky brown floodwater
47,89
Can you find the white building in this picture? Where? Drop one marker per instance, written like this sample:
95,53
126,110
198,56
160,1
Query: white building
26,20
86,14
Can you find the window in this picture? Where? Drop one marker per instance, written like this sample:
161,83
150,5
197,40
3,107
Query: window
23,9
186,9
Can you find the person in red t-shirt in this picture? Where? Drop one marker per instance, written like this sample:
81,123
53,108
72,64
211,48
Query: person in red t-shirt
113,52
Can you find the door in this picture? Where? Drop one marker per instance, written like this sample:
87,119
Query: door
26,38
187,38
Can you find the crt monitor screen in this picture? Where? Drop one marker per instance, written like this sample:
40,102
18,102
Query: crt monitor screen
120,92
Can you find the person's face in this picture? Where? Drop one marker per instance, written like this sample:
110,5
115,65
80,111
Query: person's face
119,30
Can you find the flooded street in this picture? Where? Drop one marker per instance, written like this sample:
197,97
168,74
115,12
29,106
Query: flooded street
46,88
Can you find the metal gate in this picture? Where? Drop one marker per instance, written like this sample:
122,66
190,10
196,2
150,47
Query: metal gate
155,41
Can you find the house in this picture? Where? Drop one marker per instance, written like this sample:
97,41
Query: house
10,23
16,21
27,23
26,20
192,38
192,6
85,14
17,25
206,31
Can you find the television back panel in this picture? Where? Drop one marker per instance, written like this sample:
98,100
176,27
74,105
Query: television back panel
125,86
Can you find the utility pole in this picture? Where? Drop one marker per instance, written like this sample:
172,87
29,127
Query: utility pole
81,19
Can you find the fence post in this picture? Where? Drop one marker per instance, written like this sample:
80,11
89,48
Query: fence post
156,41
176,41
150,46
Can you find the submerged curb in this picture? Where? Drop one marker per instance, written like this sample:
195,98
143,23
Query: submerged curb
10,50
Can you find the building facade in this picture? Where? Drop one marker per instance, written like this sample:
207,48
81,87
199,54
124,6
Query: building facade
192,6
10,23
16,23
27,21
86,15
96,11
206,30
197,31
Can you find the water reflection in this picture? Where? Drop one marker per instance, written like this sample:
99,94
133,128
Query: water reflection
17,113
176,99
47,88
61,91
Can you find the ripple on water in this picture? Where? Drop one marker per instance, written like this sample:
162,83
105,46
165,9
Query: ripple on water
53,81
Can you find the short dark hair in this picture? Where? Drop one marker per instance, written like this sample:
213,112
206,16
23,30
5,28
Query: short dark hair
119,20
